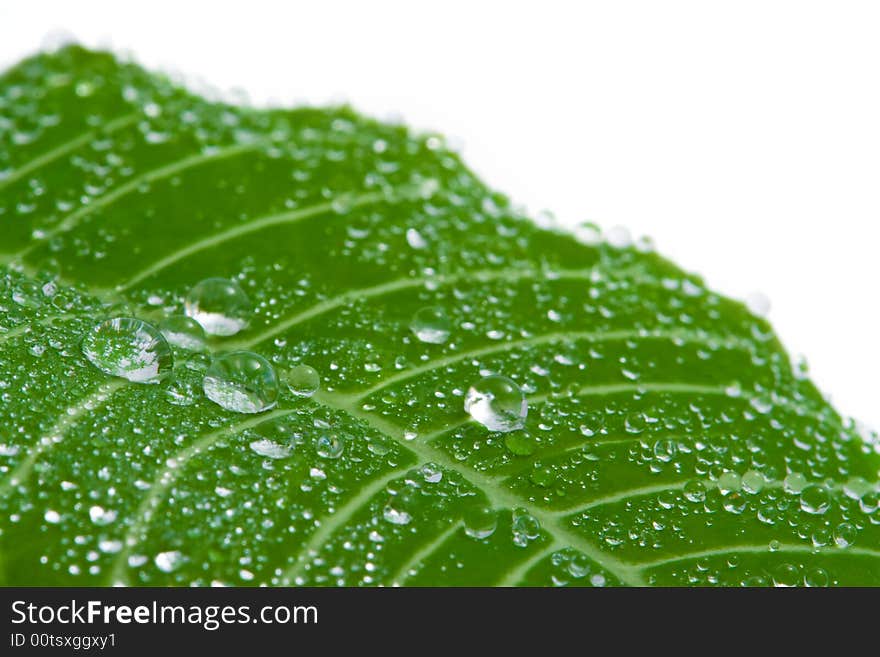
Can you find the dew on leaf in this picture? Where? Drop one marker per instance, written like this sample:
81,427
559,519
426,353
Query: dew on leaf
497,403
129,348
169,561
431,325
329,445
302,380
480,521
219,305
270,449
815,499
184,332
241,381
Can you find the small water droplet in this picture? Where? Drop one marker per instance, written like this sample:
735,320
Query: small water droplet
845,534
101,516
816,577
129,348
396,516
480,521
431,325
330,445
520,443
786,575
219,305
525,527
269,449
241,381
168,562
815,499
302,380
753,482
497,403
415,240
183,332
431,473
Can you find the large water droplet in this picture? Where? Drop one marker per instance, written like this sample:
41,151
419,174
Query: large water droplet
303,380
480,521
815,499
219,305
241,381
270,449
497,403
183,332
129,348
168,561
431,325
330,445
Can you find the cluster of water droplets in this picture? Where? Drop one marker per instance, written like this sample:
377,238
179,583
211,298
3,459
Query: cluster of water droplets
239,381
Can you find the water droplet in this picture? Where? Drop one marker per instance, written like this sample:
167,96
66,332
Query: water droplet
520,443
183,388
395,515
816,577
101,516
183,332
543,476
525,527
168,561
415,240
786,575
497,403
129,348
219,305
635,423
52,517
302,380
845,534
815,499
270,449
480,521
431,325
431,472
794,482
330,446
753,482
695,491
241,381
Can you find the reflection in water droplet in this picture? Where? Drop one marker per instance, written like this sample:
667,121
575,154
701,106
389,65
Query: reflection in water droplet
480,521
431,473
270,449
168,561
431,325
219,305
129,348
786,575
303,380
525,527
395,511
330,445
497,403
415,240
183,332
520,443
845,534
241,381
815,499
816,577
183,388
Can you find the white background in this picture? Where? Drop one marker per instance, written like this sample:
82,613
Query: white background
744,137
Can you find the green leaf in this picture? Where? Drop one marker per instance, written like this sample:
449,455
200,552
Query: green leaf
669,439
